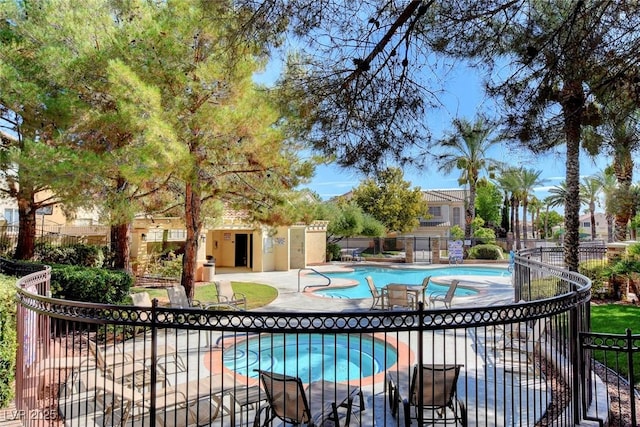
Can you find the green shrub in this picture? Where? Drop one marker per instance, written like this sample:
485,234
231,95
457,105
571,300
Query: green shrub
8,343
90,284
76,254
171,267
487,251
598,272
333,251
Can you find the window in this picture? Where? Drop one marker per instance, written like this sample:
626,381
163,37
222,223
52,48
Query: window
457,220
11,215
586,224
435,211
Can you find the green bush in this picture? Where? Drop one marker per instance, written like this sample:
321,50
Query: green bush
333,251
8,343
485,252
171,267
598,272
90,284
76,254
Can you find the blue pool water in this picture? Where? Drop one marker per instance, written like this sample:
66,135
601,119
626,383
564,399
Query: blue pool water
382,276
311,357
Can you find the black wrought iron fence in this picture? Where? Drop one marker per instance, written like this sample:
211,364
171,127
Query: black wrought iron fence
614,360
87,364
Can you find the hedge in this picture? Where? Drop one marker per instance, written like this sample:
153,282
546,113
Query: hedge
90,284
486,251
8,339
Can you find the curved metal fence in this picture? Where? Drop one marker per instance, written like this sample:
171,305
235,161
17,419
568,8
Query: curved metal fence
88,364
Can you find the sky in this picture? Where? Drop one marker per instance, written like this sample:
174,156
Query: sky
463,97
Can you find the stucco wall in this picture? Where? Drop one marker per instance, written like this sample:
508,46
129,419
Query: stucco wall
316,246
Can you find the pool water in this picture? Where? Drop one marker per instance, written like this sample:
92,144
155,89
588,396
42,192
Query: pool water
382,276
311,357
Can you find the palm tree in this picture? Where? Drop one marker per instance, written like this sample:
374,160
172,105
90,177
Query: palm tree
509,182
609,185
535,205
589,190
529,179
466,149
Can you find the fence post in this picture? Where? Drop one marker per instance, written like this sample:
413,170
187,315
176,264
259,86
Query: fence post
154,357
575,362
420,371
632,391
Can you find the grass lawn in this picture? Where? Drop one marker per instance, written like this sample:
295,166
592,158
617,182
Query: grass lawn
615,319
258,294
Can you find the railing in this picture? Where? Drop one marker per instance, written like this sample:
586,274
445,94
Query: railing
316,272
123,365
622,354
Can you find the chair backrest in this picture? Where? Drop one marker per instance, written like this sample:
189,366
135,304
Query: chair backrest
178,297
425,284
372,287
452,290
439,384
141,299
225,289
94,349
286,396
397,295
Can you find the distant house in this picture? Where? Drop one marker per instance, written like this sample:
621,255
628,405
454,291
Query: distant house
446,209
601,225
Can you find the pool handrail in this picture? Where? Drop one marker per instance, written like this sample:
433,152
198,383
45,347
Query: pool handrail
313,286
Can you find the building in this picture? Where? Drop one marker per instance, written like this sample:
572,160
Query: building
446,209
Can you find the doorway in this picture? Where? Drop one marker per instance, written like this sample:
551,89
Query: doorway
242,252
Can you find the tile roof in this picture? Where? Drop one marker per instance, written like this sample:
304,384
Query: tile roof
455,195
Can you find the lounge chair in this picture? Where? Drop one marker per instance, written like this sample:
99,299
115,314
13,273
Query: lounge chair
399,296
430,399
447,298
226,295
197,402
378,296
288,400
519,347
133,366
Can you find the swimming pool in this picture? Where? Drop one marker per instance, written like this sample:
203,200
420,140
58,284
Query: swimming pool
311,357
382,276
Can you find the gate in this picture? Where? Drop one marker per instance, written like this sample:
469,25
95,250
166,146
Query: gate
619,352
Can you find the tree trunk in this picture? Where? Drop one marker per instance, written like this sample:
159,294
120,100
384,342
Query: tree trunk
121,246
623,170
517,225
524,221
470,211
592,211
26,226
572,106
194,226
609,228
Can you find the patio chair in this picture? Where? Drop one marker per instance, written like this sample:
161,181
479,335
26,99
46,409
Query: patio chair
445,299
288,401
378,296
226,295
423,291
178,299
398,296
141,299
432,398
